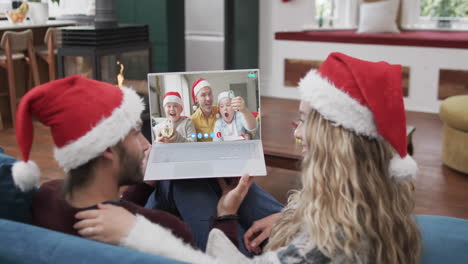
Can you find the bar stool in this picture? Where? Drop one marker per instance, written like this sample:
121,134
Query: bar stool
48,52
17,46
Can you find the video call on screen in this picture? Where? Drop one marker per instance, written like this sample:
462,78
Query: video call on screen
214,115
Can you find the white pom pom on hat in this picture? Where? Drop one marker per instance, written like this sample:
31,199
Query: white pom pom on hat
403,168
26,175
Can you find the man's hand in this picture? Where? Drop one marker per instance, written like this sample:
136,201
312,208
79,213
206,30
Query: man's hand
233,194
108,224
259,232
238,104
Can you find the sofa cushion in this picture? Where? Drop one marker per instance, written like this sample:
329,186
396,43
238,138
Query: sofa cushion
454,112
14,204
445,239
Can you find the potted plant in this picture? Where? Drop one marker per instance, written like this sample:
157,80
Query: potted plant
38,11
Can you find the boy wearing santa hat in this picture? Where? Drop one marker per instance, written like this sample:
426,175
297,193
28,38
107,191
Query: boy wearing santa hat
175,129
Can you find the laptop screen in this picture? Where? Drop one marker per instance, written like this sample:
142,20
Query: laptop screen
210,106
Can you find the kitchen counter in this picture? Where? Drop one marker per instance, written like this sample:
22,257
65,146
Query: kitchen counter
6,25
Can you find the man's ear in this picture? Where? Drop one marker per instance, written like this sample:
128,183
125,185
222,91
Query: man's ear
110,153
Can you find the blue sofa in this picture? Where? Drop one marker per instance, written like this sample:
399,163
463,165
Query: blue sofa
445,239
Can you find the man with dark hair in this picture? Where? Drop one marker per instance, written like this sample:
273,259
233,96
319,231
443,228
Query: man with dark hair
96,129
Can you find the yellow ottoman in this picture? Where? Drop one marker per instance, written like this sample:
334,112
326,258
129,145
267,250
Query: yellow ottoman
454,114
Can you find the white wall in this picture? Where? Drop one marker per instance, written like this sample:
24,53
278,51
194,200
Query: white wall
278,16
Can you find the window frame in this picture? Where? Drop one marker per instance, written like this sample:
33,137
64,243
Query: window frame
413,20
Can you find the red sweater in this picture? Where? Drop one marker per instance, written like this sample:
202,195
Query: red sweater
51,211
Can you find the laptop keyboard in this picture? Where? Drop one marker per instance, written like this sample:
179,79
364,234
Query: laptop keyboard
206,152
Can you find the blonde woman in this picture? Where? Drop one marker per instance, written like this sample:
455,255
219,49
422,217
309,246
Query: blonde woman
356,202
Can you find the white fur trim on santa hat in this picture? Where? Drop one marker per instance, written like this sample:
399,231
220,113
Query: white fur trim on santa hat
155,239
172,99
108,132
337,106
25,175
403,168
200,85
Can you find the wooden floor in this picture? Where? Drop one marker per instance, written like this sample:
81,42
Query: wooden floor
439,190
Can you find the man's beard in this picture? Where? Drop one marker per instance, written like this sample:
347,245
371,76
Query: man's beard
130,169
205,109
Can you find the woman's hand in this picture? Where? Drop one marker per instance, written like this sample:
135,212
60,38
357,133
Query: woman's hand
233,194
259,232
108,224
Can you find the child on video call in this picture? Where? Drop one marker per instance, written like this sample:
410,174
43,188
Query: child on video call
175,129
236,120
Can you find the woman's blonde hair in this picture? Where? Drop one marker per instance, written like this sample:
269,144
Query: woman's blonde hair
349,204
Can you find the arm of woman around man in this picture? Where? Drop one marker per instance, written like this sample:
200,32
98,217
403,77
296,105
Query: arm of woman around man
113,224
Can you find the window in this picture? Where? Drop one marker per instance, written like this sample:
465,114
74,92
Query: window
452,9
437,14
324,13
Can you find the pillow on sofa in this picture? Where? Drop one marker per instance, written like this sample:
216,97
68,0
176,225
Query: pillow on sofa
379,17
14,204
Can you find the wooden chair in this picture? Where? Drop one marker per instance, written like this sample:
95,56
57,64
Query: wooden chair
17,46
49,52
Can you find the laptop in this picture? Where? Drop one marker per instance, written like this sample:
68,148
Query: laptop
198,129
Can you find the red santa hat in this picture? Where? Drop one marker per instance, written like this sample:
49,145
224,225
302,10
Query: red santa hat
196,87
172,97
364,97
85,117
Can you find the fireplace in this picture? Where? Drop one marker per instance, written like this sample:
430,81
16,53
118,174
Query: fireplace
99,53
